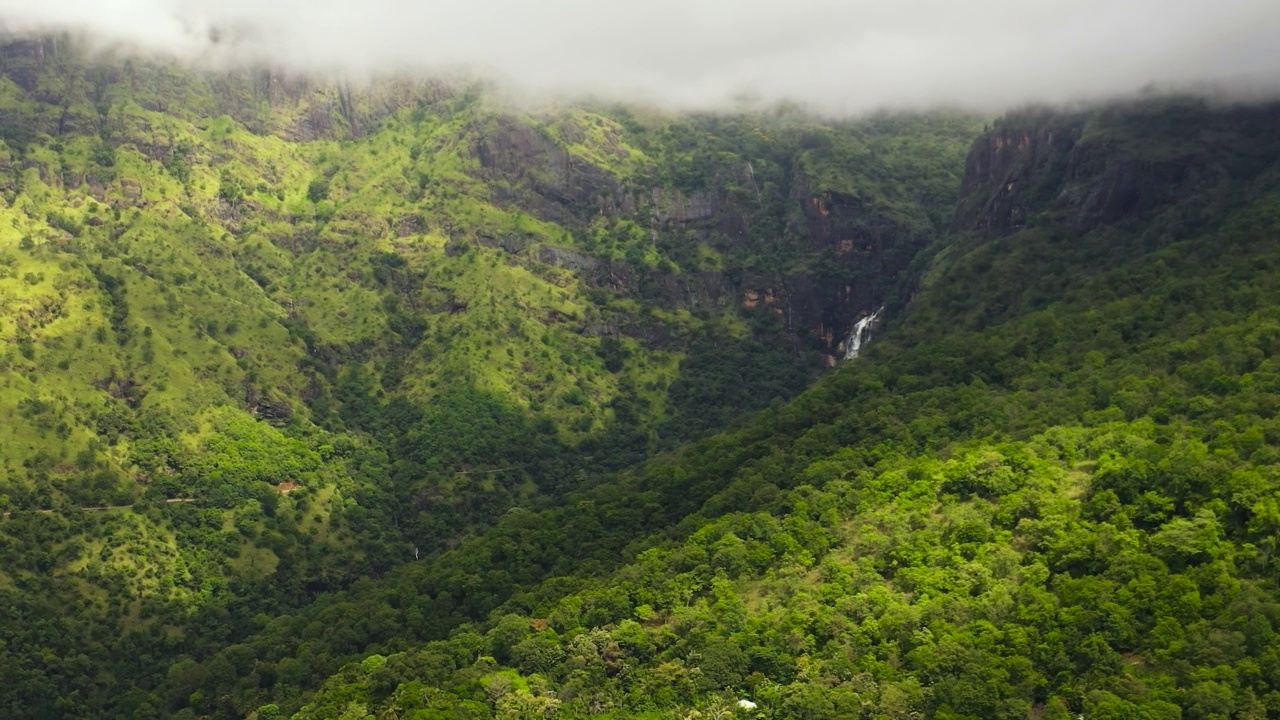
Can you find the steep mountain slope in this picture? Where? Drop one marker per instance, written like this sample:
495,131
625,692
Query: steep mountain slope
563,262
1050,491
347,327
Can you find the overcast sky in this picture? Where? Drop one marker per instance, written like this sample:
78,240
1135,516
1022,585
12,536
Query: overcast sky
840,55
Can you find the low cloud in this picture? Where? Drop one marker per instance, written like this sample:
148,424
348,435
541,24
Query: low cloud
838,55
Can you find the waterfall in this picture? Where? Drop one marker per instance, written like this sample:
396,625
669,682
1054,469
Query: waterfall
861,334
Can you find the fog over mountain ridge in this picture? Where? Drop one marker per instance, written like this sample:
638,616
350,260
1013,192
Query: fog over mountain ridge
835,55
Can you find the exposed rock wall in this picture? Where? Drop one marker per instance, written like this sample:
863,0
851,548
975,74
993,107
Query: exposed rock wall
1103,167
854,255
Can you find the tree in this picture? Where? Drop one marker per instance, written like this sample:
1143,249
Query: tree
318,190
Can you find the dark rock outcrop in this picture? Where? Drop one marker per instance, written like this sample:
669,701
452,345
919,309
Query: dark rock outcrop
1009,169
1103,188
1102,167
21,61
570,259
528,168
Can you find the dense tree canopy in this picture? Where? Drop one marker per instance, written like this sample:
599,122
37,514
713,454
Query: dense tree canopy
341,411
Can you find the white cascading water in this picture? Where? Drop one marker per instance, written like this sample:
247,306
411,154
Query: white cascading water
861,335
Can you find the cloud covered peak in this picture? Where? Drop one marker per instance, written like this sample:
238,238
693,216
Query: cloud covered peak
839,55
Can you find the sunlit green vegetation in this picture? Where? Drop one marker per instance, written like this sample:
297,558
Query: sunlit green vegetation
454,431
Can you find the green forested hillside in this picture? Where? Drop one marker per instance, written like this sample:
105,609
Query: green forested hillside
179,243
345,327
484,344
1051,491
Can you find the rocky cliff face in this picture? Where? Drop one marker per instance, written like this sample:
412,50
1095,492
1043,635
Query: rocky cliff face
1008,167
1103,167
865,254
839,258
530,169
22,60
